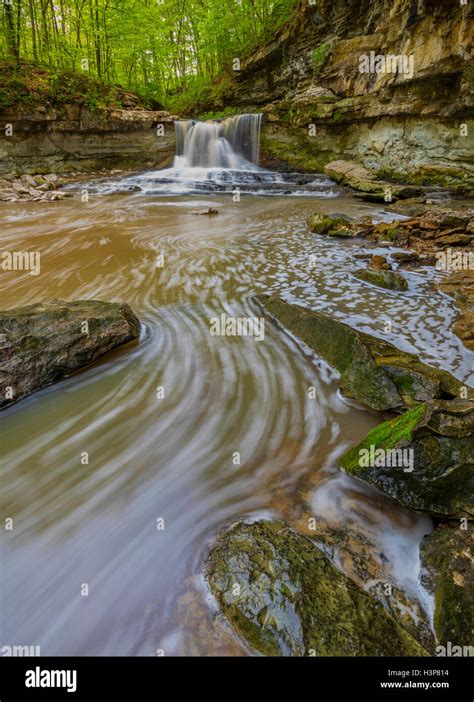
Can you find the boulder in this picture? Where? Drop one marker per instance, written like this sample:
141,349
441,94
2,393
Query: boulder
374,372
331,225
44,342
424,459
390,280
281,594
447,559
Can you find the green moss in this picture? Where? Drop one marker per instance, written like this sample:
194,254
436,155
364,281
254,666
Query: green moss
319,56
283,596
219,114
388,435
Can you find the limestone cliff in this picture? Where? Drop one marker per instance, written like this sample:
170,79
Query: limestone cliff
405,123
68,138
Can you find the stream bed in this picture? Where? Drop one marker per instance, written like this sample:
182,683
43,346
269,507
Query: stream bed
161,420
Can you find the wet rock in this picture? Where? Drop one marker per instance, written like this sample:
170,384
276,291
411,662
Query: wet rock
391,280
356,538
405,258
373,371
331,225
206,211
460,286
424,459
45,342
356,176
447,558
281,594
380,263
29,180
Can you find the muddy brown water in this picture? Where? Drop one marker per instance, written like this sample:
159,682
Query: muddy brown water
172,457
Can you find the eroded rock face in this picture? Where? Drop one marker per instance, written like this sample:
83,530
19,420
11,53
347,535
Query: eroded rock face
45,342
424,459
281,594
74,139
373,371
447,558
359,178
401,124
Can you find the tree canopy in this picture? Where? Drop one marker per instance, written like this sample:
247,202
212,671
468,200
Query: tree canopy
163,48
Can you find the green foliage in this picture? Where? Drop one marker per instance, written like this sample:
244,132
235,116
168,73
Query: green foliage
168,52
28,86
319,55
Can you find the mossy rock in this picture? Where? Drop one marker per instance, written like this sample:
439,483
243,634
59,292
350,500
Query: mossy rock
45,342
331,225
447,558
281,594
374,372
437,476
390,280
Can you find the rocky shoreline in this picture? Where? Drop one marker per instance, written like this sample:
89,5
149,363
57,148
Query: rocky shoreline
278,590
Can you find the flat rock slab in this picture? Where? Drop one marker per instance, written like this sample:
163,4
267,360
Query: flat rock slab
281,594
373,371
356,176
45,342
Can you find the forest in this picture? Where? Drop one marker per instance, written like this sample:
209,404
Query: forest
157,48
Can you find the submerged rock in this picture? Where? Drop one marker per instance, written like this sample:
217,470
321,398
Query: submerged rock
382,278
282,595
447,558
44,342
424,459
373,371
206,211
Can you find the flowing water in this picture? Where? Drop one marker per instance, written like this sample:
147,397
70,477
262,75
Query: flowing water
161,420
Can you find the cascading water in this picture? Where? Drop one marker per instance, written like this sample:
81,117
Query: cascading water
220,156
233,143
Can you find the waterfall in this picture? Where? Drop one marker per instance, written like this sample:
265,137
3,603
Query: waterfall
220,156
233,143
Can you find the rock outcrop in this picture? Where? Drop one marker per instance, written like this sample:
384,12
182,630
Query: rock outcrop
281,594
72,138
45,342
362,180
413,122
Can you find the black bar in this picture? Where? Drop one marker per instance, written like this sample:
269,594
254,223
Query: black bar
145,679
